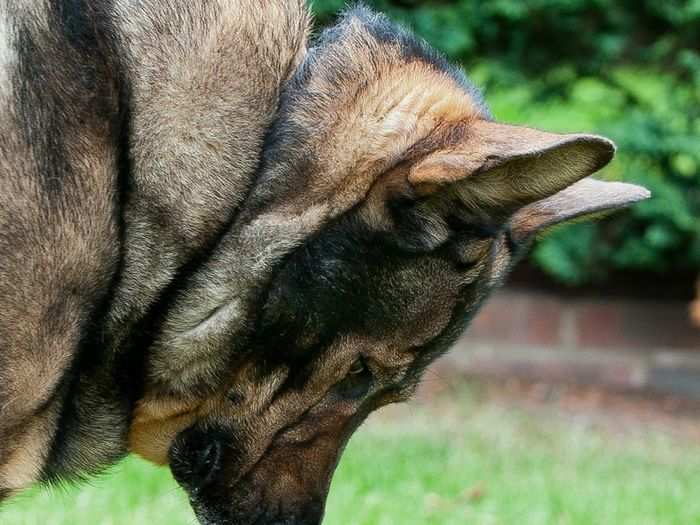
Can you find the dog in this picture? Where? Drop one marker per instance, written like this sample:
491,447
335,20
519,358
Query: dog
222,247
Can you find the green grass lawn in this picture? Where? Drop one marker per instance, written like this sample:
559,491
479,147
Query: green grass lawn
462,462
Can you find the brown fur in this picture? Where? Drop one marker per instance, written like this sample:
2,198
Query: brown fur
268,242
218,70
58,237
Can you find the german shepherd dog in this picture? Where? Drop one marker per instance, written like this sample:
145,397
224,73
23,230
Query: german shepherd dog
221,248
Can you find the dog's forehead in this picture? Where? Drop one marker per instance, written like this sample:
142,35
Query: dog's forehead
408,303
350,278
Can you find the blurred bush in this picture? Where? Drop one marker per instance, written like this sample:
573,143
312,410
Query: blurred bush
627,69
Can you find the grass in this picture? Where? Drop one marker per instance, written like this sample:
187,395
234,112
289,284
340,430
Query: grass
463,462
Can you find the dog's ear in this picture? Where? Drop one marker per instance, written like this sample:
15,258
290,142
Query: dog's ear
531,176
584,197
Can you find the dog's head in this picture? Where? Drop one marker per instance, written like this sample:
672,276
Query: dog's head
388,206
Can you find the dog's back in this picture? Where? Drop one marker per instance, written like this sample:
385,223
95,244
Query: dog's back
129,134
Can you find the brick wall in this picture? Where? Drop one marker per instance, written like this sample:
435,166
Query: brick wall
627,344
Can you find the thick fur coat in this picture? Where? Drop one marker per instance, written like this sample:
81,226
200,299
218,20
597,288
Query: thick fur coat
221,248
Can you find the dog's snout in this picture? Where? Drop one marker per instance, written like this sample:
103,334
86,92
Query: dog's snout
313,517
258,517
195,459
284,521
204,462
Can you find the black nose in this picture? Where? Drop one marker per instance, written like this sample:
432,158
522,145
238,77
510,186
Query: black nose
312,515
300,522
195,459
205,461
291,521
213,516
260,515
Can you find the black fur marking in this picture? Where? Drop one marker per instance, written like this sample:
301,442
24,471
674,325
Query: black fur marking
72,20
334,285
38,110
463,312
354,386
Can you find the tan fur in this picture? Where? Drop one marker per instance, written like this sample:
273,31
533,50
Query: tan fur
298,235
158,420
498,163
584,197
370,133
155,425
21,468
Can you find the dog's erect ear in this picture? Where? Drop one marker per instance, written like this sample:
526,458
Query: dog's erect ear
533,176
581,198
504,166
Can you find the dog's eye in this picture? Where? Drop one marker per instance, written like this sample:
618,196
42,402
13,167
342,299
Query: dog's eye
357,383
235,397
357,367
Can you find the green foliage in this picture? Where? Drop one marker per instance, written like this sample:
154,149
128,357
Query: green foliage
628,70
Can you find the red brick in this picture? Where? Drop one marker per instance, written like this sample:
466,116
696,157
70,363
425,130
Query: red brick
519,318
660,325
541,321
635,325
599,325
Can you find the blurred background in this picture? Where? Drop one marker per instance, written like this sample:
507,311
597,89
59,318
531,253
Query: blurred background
574,398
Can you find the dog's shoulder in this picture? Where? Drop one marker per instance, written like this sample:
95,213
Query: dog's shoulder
131,131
